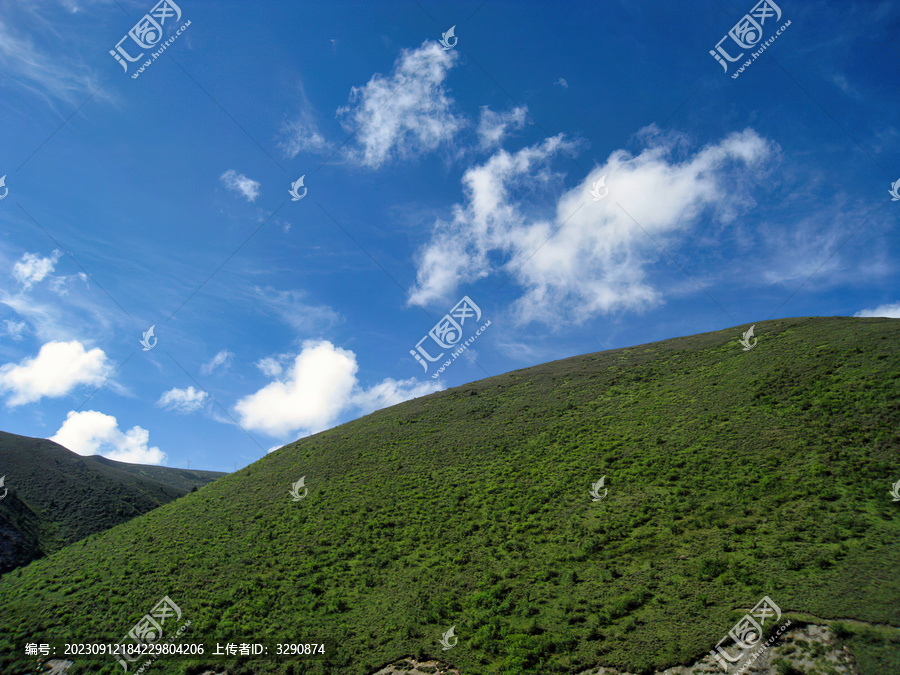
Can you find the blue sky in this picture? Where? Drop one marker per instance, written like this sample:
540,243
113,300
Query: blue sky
586,174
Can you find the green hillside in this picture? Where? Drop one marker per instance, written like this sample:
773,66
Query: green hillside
57,497
731,475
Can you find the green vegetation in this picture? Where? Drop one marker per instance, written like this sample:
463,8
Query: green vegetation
731,475
57,497
877,648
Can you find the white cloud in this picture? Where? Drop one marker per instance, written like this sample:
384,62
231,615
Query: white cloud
239,183
58,368
392,392
290,307
494,126
269,366
316,389
586,257
844,85
80,314
51,76
182,400
300,135
458,251
808,251
32,268
310,396
94,433
561,82
223,358
890,311
61,285
14,329
406,113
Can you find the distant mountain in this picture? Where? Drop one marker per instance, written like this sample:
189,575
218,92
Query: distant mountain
182,479
57,497
729,476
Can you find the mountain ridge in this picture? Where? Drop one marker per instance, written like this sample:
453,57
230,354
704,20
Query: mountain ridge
70,496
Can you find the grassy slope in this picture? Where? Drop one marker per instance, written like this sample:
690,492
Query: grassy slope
769,470
74,496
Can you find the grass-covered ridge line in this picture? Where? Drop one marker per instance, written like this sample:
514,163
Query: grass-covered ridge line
732,475
57,497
